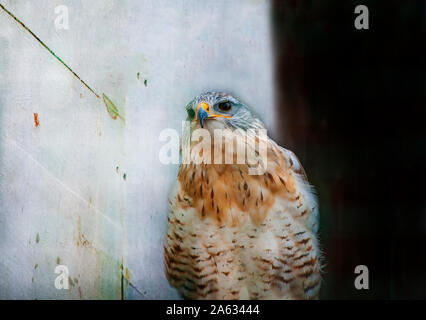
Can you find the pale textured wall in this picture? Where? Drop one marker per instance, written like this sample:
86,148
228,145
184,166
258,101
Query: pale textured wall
59,180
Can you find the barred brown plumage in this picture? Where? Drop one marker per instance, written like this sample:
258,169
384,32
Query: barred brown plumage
238,235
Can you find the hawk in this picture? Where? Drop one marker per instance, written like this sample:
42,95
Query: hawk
236,235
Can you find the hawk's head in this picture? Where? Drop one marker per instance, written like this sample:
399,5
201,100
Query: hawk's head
219,110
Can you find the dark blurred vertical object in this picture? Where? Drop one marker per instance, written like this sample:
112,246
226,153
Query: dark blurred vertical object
351,105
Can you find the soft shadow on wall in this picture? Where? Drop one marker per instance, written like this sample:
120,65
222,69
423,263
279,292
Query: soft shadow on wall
351,105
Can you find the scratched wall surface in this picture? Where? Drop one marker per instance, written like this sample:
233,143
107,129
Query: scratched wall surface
86,191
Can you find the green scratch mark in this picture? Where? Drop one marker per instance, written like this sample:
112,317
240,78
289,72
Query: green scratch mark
111,108
37,238
113,111
48,49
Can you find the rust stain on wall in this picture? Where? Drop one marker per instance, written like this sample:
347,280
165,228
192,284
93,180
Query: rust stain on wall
36,121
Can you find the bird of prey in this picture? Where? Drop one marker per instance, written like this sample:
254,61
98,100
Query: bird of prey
236,235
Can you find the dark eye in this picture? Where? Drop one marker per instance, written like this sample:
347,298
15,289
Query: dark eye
225,106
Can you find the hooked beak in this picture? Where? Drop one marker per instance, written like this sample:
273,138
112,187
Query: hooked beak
202,112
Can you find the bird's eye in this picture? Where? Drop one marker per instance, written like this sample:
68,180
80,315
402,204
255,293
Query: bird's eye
225,106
